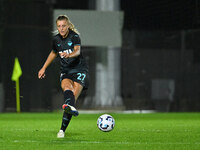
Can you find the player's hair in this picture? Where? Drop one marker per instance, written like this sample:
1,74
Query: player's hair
71,25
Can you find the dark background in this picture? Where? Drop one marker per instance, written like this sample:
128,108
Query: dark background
160,41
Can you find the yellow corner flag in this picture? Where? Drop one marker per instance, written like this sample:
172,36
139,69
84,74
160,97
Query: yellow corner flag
17,72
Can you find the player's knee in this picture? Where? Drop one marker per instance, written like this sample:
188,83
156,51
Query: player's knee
64,88
67,85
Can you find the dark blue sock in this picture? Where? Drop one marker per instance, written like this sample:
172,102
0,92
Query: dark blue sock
68,99
65,121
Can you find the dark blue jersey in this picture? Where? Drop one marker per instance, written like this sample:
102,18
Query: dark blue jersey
69,65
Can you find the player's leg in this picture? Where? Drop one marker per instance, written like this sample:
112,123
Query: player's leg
69,97
72,90
77,90
67,86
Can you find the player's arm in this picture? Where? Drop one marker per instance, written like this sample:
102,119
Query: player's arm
51,57
77,48
75,53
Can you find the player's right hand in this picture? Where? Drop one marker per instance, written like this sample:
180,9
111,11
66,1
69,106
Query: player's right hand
41,73
63,54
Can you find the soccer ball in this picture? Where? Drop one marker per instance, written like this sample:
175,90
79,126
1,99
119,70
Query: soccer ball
105,123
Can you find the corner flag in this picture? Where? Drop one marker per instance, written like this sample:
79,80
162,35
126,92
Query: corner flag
17,71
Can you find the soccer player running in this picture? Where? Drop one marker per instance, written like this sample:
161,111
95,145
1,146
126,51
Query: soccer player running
74,70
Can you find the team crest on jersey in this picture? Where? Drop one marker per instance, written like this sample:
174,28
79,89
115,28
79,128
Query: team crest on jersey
69,43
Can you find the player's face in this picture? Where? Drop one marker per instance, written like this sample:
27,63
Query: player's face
62,26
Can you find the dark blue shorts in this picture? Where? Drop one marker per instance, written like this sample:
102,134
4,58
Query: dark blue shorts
79,77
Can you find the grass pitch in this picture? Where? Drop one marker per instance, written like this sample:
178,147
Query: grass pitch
157,131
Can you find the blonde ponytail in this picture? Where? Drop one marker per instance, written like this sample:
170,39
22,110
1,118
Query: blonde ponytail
72,27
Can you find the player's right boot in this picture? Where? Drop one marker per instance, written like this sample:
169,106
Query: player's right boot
61,134
70,109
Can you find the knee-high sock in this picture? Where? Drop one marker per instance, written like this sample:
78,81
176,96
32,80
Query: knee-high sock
68,99
65,121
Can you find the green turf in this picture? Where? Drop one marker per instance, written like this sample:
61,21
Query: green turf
158,131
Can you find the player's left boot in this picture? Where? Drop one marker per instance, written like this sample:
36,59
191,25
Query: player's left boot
70,109
61,134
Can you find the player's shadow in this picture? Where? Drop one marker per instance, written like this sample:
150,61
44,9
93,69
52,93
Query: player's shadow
69,134
72,134
71,137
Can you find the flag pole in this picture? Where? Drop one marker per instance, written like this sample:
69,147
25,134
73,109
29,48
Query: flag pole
17,72
17,96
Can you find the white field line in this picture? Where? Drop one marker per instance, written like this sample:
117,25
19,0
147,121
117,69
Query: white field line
58,141
109,142
116,111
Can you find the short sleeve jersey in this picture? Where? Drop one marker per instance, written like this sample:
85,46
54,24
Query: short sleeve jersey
69,65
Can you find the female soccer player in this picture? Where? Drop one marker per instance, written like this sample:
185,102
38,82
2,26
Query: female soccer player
74,70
